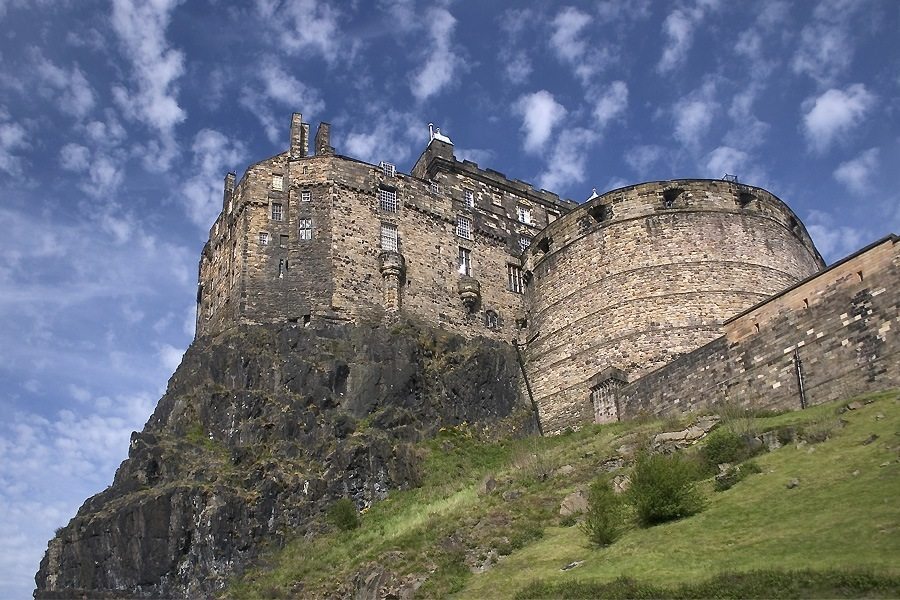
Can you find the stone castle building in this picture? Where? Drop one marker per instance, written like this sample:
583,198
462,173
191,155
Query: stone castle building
598,295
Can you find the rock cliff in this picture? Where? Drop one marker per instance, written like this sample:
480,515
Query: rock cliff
261,428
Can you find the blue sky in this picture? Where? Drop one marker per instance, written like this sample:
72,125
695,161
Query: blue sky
118,121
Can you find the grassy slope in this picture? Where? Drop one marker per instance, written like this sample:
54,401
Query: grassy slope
833,519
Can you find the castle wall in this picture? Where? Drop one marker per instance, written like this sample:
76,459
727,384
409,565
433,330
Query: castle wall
841,324
629,282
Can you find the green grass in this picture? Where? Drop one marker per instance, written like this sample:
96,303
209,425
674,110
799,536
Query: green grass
841,521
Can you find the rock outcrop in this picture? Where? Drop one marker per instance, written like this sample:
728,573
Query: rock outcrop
261,428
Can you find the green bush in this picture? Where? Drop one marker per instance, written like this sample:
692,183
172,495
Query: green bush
733,475
342,514
603,520
662,488
724,446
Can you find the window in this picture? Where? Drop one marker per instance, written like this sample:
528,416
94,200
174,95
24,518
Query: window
305,196
263,238
465,261
278,182
277,212
552,216
464,227
469,198
514,274
283,240
389,237
524,214
491,319
305,229
524,242
387,169
434,187
387,199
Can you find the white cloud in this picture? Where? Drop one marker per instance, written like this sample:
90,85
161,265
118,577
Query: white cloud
611,104
12,139
642,158
74,157
567,163
746,127
825,49
540,113
586,55
214,154
726,159
388,135
141,28
170,357
307,27
516,66
476,155
834,241
276,85
77,95
835,114
694,114
679,29
857,173
442,63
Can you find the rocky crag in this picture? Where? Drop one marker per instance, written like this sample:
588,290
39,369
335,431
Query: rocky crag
262,428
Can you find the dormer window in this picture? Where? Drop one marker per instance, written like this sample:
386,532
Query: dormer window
387,169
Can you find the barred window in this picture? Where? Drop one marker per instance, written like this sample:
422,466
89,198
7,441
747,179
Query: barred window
464,262
524,242
305,196
277,211
387,169
464,227
263,238
305,230
491,319
434,187
387,199
390,239
469,197
514,274
278,182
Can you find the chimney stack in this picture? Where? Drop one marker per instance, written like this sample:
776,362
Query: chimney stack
299,137
323,144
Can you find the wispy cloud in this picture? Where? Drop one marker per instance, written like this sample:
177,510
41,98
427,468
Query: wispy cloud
540,113
833,240
679,28
443,63
570,42
642,158
274,85
834,114
857,173
309,27
12,140
156,66
825,49
693,114
611,103
214,154
567,163
76,96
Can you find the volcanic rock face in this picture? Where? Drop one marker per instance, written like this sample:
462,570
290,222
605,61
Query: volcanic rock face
261,428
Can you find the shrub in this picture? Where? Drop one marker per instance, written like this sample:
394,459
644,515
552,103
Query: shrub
342,514
603,520
568,520
662,488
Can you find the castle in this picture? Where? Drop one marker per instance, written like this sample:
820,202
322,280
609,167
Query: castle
666,295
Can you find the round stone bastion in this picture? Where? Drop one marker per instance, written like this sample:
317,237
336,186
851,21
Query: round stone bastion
632,279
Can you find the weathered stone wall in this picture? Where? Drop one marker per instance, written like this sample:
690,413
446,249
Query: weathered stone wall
842,325
639,276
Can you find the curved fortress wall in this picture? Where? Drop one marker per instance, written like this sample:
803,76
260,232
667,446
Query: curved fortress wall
636,277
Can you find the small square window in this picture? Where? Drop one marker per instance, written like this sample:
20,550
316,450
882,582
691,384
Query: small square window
387,169
283,240
524,214
387,199
469,198
278,182
514,274
277,211
464,227
305,196
434,187
464,261
497,199
305,231
390,238
263,238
